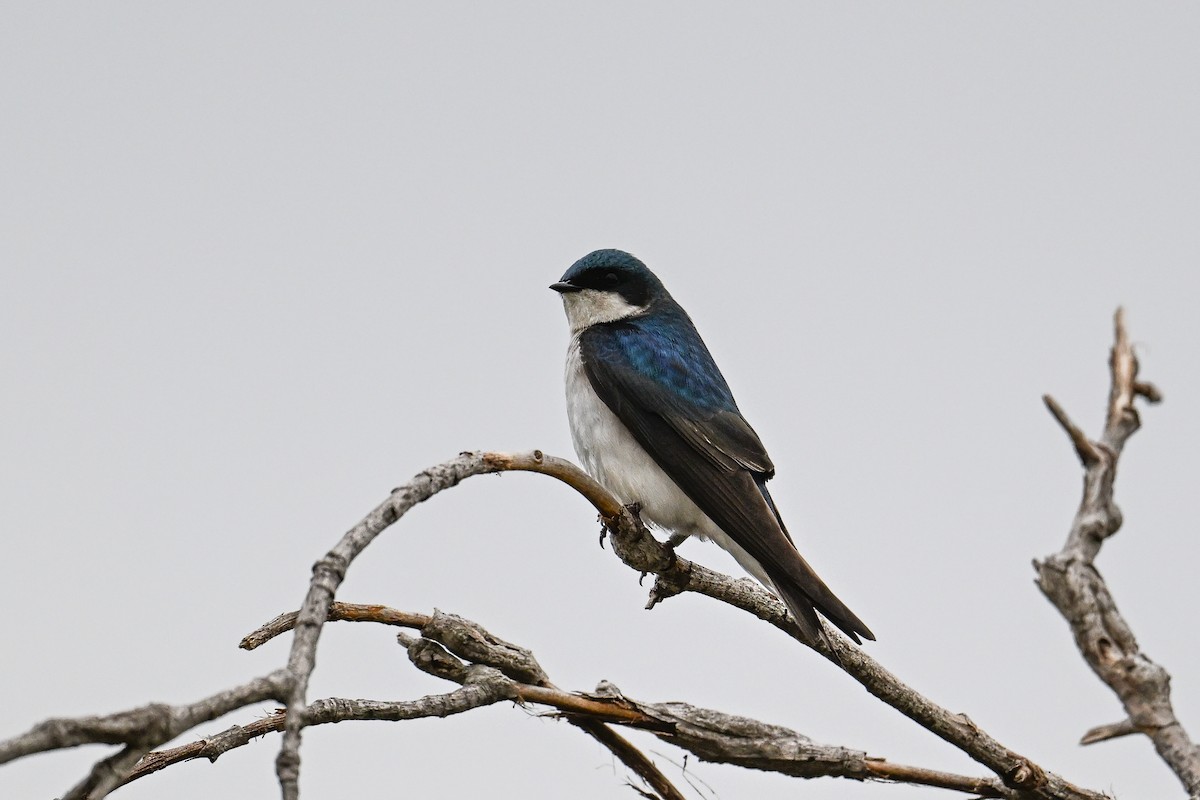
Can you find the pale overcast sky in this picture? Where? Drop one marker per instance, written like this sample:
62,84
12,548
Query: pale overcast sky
263,262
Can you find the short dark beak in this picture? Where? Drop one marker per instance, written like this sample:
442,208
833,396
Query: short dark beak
562,287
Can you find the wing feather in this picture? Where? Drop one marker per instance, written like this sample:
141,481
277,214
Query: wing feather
700,439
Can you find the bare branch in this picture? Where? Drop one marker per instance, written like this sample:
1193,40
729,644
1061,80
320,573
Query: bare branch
481,686
724,738
140,730
472,641
705,733
1113,730
350,612
631,757
328,574
638,549
107,773
1088,452
154,724
900,773
1070,580
710,735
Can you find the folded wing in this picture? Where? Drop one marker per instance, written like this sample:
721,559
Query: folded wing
687,421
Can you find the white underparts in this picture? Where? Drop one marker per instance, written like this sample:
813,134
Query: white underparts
588,307
614,458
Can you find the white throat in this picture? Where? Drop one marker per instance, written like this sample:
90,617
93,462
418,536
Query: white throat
588,307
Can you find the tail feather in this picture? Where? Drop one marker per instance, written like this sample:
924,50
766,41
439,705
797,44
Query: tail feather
805,614
802,590
805,593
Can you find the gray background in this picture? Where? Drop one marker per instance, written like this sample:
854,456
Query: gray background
263,262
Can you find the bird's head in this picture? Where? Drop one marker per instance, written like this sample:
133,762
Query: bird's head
606,286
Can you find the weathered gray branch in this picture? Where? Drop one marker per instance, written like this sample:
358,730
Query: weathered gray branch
711,735
330,571
513,673
481,686
750,597
1070,580
473,642
140,730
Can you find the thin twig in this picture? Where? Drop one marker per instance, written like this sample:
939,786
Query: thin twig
901,773
1088,453
338,612
1113,730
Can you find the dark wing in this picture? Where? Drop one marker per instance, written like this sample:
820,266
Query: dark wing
670,395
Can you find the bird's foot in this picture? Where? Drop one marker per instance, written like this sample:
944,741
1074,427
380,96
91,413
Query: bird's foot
674,541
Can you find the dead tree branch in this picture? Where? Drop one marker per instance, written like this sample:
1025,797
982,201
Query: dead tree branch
1070,580
638,549
481,686
140,730
448,641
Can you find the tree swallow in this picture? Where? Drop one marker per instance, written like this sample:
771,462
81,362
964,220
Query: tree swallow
653,420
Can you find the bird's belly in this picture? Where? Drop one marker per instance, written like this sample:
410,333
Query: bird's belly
616,459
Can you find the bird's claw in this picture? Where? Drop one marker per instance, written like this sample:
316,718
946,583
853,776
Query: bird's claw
674,541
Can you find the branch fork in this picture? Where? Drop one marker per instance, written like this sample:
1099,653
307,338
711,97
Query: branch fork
1071,582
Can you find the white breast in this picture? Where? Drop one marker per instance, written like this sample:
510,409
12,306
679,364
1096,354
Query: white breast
613,457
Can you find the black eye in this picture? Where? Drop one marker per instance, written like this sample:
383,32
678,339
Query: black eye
611,279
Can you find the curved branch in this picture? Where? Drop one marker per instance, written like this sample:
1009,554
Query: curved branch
328,574
338,612
1070,580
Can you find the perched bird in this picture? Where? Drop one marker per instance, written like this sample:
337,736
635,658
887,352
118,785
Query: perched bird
653,420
